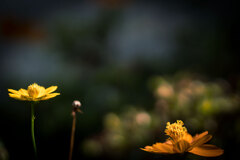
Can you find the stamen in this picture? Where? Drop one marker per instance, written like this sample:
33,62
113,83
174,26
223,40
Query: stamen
176,130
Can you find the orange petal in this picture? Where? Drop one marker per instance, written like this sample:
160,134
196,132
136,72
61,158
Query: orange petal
207,150
181,146
168,141
198,136
148,149
188,137
201,140
163,148
159,148
51,89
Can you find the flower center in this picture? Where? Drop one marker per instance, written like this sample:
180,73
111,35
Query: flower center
176,130
33,90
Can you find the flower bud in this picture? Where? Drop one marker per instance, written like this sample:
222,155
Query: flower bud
76,103
76,106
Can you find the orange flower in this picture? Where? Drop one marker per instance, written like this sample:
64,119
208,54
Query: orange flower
181,141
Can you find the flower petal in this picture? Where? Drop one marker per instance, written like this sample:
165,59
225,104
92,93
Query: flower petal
149,149
23,92
188,137
207,150
41,92
181,146
163,148
50,96
13,91
51,89
198,136
159,148
201,140
168,141
15,96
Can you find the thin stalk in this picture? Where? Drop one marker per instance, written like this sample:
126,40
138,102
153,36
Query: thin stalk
32,129
72,135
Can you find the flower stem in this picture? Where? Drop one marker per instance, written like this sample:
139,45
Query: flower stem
32,129
72,135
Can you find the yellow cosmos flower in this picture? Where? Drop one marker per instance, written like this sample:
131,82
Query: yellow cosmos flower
34,92
181,141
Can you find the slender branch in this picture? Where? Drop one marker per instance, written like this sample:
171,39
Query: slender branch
72,135
32,129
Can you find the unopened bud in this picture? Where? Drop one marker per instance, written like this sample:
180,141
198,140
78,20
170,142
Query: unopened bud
76,106
76,103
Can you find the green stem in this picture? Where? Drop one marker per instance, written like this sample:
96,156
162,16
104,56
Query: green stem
32,128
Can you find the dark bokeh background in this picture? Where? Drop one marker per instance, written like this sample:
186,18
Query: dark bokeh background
133,64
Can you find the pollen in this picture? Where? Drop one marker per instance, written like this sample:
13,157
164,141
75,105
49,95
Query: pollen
176,130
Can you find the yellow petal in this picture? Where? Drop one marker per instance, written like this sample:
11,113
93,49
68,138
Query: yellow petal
41,92
23,92
51,89
207,150
201,140
181,146
50,96
13,91
15,96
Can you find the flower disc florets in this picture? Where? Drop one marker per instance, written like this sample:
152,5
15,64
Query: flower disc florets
176,130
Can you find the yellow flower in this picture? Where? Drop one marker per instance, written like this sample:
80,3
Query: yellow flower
34,92
181,141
